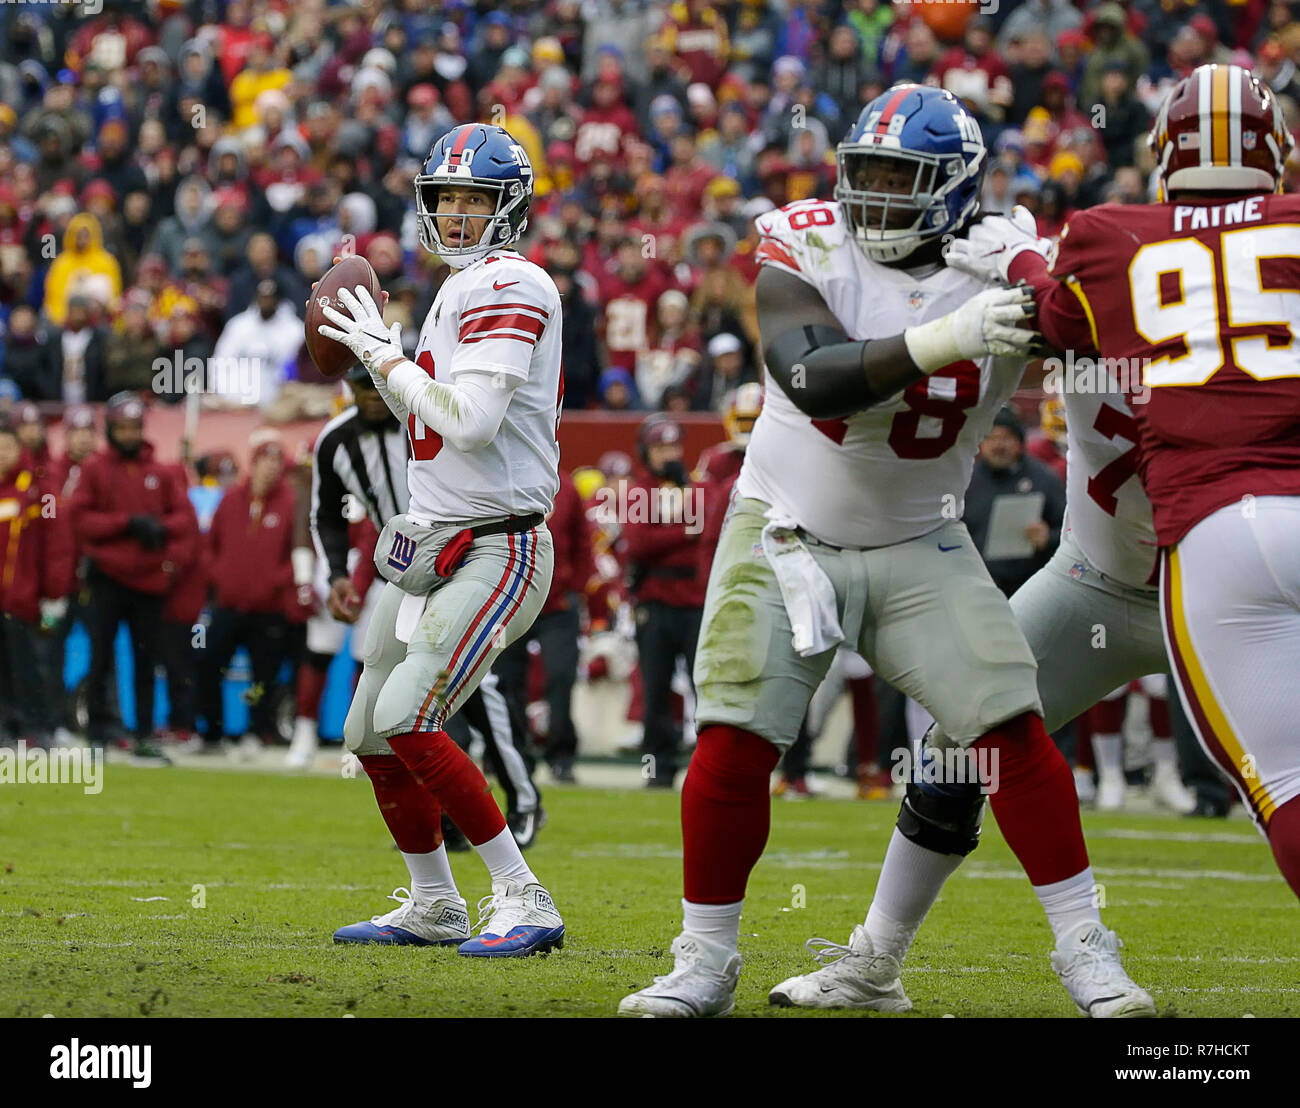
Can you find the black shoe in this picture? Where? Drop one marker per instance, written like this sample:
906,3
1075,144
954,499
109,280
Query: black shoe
1210,808
563,773
525,825
148,752
452,838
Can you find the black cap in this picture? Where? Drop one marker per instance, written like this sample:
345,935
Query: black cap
1008,419
360,375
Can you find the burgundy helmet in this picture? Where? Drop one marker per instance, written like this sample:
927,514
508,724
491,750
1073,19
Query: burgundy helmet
123,407
656,430
614,463
78,417
27,412
1220,127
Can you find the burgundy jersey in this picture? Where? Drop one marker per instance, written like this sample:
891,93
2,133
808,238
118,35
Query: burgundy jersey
1201,301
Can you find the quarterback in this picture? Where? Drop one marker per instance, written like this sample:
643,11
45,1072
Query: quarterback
885,370
1200,290
468,565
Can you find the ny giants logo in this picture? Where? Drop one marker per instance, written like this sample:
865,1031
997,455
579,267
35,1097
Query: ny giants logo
402,553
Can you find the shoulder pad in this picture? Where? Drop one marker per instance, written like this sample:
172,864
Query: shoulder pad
801,237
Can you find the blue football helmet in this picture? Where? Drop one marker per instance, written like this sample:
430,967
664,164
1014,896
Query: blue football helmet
909,171
479,156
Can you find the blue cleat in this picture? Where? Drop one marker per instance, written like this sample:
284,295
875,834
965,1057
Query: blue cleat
514,922
436,923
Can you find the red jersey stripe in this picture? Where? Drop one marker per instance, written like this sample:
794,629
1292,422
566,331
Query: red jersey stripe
502,335
504,307
512,321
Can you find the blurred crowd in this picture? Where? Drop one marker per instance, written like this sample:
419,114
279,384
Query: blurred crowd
174,175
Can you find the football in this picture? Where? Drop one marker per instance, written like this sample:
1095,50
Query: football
332,358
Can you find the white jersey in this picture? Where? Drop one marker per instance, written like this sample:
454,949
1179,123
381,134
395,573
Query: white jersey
498,315
898,470
1106,508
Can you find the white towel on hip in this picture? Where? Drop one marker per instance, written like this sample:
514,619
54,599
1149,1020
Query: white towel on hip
409,613
806,591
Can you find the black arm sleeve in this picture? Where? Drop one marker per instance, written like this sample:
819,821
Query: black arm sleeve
824,373
327,520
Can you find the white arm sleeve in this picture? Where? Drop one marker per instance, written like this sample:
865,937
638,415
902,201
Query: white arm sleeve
394,403
466,412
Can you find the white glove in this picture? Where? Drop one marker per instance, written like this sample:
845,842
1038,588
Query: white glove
363,332
985,324
990,245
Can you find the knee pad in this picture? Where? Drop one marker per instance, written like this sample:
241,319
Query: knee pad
941,816
354,725
404,694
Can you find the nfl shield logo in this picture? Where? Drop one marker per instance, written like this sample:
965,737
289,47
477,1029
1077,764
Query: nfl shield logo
916,299
1248,140
1078,570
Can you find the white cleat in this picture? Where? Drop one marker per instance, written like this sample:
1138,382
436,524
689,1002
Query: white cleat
514,922
852,976
250,748
1087,962
412,923
703,983
302,750
1110,792
1168,790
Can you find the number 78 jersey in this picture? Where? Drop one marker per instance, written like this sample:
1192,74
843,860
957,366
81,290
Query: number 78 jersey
1200,303
900,469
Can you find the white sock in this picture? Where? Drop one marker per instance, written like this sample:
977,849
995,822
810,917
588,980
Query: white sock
910,881
304,725
431,877
1108,751
1070,902
1162,750
504,860
716,923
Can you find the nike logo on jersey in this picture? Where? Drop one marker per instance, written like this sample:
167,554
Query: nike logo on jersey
945,549
499,285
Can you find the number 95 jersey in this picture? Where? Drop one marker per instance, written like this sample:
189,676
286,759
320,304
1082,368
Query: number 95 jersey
1199,300
898,470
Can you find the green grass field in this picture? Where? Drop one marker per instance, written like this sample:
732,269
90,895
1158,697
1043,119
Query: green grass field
97,898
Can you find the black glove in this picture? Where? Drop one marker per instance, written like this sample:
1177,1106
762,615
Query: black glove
147,531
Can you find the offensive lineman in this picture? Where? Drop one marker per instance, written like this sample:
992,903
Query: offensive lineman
469,564
1102,574
846,528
